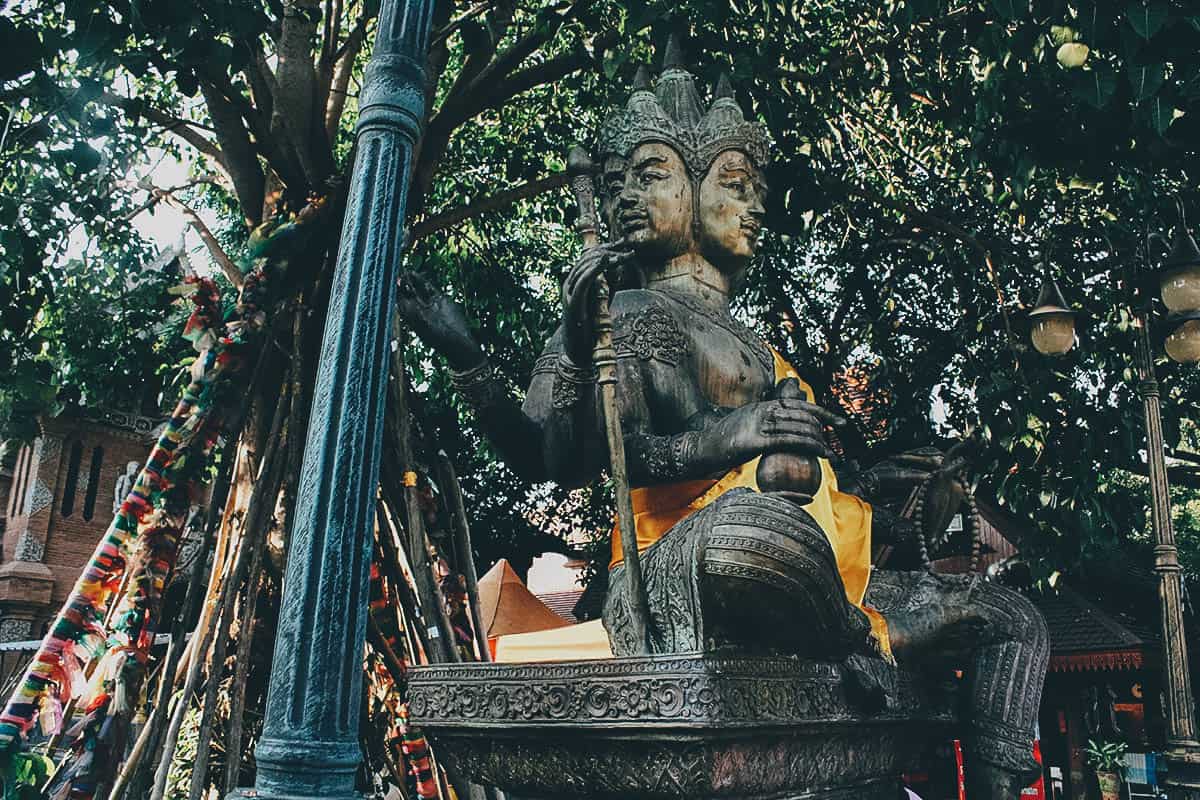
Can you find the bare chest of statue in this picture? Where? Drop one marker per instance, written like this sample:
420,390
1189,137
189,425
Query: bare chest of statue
695,359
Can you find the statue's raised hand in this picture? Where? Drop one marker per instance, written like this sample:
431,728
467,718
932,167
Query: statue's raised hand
439,321
771,426
578,298
910,469
942,475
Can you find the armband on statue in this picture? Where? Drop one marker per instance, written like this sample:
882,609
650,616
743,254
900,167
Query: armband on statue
479,386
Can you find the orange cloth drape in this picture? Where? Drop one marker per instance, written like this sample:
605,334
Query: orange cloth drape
845,519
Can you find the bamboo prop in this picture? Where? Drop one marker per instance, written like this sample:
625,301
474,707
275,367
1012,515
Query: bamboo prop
258,500
209,601
258,527
133,770
452,490
434,609
140,544
241,673
604,356
391,561
254,537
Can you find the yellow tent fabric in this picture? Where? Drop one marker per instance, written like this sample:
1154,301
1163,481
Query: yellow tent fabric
508,607
584,642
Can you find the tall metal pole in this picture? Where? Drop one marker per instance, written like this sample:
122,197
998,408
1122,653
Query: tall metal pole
1183,750
309,747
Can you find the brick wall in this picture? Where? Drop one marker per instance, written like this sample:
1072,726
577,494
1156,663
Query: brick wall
66,501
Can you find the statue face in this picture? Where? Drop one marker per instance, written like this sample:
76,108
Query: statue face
612,181
654,208
731,210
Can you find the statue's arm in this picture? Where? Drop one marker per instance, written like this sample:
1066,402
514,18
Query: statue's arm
440,323
565,398
888,484
502,420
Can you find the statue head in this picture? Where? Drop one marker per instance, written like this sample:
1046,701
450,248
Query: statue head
693,178
730,210
131,468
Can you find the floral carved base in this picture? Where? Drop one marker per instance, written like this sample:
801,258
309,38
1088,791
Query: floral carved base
693,727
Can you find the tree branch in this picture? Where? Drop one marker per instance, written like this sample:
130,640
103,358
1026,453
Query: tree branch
214,247
274,145
551,70
262,81
342,72
295,106
249,184
460,214
184,129
155,193
485,93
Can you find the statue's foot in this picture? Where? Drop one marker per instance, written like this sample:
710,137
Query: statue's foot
932,631
862,680
989,782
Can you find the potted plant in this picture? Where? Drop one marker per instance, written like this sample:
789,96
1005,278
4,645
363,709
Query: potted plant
1108,760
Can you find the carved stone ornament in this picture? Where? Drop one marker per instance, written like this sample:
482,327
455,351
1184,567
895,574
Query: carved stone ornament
652,333
13,629
674,727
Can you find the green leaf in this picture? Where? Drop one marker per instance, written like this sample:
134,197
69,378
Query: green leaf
1146,79
1011,9
1096,89
22,50
1159,113
1062,34
86,157
1148,18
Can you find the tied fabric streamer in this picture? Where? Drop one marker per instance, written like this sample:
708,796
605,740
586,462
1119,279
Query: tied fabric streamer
142,541
413,743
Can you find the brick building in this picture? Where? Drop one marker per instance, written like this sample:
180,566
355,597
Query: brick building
57,496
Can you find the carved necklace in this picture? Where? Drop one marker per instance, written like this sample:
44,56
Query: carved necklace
726,322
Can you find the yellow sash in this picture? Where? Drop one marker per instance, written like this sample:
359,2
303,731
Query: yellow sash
845,519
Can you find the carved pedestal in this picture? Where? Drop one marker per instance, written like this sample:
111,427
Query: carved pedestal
692,727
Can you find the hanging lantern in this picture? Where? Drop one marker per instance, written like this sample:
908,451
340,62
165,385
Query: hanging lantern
1053,323
1183,344
1179,277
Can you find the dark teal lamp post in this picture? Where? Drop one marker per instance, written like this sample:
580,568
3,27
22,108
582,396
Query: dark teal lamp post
309,747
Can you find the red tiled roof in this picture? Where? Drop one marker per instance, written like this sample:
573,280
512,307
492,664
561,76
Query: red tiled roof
1084,636
562,603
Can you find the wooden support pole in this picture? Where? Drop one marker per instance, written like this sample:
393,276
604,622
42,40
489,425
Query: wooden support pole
462,535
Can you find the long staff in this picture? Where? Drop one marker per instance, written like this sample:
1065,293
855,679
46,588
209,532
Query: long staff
580,170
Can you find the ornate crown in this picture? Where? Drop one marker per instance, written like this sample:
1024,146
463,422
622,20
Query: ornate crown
673,114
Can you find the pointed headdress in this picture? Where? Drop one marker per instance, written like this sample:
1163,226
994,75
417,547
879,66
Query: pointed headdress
673,114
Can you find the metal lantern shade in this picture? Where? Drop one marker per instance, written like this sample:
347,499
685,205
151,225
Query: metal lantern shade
1183,343
1053,323
1179,280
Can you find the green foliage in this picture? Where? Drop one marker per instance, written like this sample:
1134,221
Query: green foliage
1106,756
29,771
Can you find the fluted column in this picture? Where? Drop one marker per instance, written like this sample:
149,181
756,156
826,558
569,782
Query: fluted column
309,746
1183,751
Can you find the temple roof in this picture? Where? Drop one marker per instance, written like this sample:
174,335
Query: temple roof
562,603
1084,636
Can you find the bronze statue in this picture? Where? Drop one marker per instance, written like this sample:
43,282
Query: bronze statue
723,451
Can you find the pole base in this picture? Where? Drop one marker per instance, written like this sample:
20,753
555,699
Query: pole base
290,769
